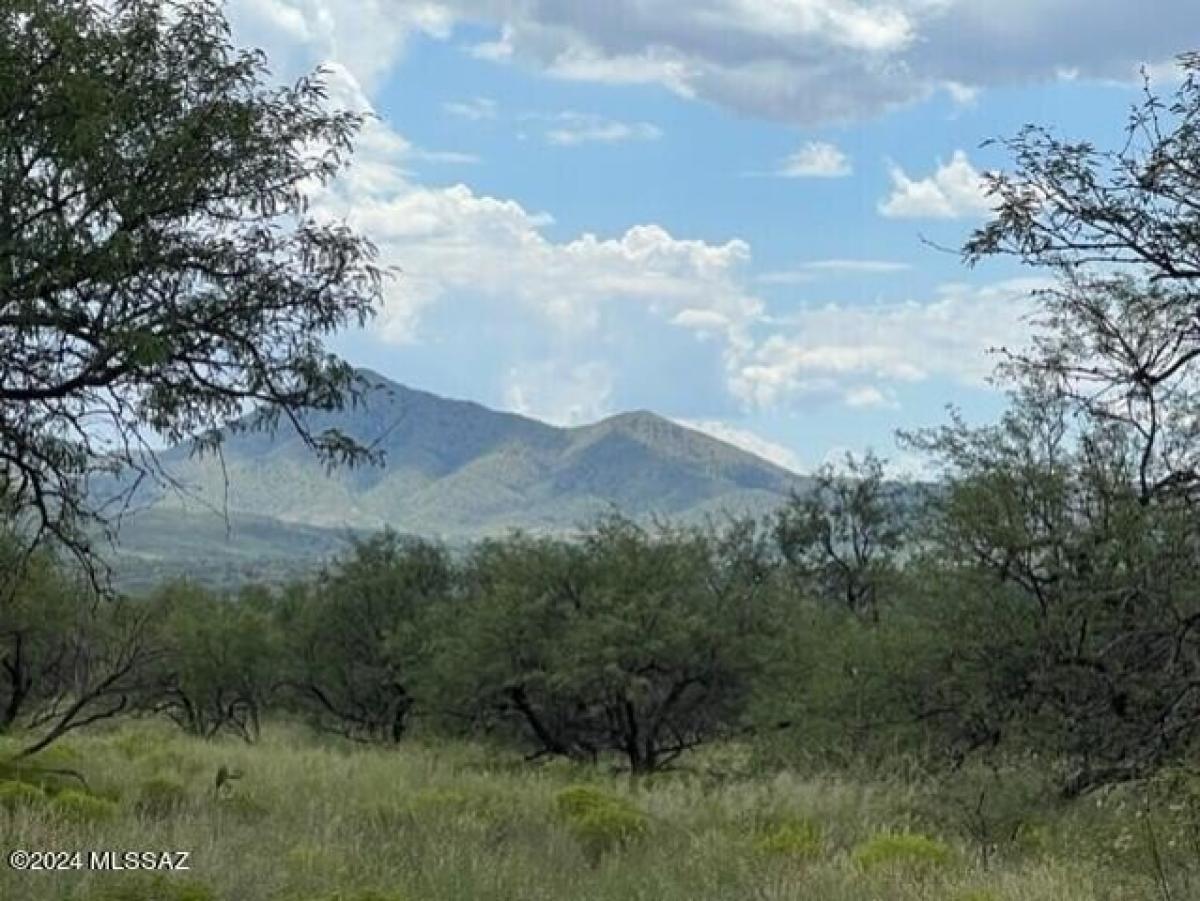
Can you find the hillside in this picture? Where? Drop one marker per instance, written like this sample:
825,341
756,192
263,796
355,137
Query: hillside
453,470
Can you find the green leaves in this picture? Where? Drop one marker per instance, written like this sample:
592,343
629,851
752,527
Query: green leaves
161,270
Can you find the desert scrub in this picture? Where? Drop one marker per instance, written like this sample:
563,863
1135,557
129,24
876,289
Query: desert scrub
153,888
599,822
792,838
16,795
902,851
160,797
80,807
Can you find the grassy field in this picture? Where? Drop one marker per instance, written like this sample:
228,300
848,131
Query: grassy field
317,821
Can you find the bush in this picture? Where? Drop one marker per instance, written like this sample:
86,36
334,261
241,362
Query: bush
19,795
902,850
160,797
154,888
599,822
797,838
362,895
81,807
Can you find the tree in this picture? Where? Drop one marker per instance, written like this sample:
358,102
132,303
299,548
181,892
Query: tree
841,537
160,269
1119,335
632,642
66,661
1084,637
1080,504
362,636
217,662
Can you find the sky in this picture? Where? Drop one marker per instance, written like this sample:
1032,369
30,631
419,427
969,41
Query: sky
739,214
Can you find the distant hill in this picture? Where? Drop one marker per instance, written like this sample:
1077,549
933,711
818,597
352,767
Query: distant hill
454,470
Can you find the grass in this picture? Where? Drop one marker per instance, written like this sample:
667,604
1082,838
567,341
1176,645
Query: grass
318,821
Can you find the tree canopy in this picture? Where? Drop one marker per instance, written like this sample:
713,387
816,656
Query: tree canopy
161,272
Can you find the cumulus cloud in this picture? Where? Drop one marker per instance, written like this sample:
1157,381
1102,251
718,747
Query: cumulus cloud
747,440
954,190
858,354
816,159
803,61
559,392
455,241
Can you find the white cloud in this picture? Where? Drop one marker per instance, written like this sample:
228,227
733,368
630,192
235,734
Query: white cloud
954,190
816,159
808,272
561,393
571,128
869,397
803,61
858,354
454,241
475,109
746,440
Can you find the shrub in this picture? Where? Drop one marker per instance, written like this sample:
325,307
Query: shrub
902,850
599,822
362,895
797,838
160,797
19,795
153,888
81,807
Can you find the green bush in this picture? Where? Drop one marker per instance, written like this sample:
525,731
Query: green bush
599,822
18,795
902,850
796,838
160,797
81,807
153,888
362,895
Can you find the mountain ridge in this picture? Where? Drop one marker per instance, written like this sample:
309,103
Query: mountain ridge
457,470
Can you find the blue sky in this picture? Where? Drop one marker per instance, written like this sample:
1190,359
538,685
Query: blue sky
712,209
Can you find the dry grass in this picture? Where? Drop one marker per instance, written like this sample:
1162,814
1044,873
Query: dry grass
313,821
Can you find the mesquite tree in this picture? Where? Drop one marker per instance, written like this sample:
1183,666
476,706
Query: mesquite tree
161,272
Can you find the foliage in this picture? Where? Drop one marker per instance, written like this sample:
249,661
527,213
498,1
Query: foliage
842,536
14,795
82,807
362,633
792,838
903,850
627,641
217,667
161,267
599,821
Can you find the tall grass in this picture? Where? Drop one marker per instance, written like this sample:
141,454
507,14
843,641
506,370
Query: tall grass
315,821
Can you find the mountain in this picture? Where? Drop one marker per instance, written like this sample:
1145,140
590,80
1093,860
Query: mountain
454,470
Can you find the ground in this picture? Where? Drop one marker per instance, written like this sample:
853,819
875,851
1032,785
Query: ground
317,820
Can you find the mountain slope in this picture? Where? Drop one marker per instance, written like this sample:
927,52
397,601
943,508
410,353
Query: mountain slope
458,470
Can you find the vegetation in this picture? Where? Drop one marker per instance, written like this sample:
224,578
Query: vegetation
988,687
440,819
160,268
